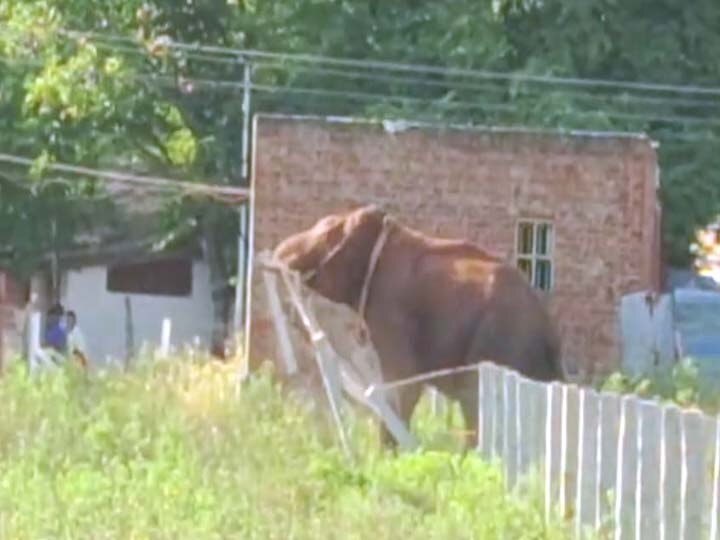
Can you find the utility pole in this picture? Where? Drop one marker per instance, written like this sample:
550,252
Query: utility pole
241,319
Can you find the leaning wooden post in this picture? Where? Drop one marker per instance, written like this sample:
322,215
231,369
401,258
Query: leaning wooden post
323,356
280,323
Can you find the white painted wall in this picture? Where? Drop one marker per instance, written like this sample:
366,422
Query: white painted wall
101,314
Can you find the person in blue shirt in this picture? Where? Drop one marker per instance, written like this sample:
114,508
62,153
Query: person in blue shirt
55,336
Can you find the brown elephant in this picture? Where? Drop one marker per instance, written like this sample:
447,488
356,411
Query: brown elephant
428,303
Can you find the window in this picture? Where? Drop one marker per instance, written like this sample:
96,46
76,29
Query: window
534,252
167,277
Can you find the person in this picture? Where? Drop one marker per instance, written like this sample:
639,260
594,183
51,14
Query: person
75,339
55,337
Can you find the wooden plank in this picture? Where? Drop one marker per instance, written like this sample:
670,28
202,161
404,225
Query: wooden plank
33,345
587,490
626,468
485,381
599,493
505,452
280,323
129,333
510,431
481,408
715,507
165,331
638,471
694,461
3,319
397,427
527,420
571,445
648,484
672,471
327,358
537,419
499,414
329,366
663,473
553,427
324,355
709,435
493,412
518,438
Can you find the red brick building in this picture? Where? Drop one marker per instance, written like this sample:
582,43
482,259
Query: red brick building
577,210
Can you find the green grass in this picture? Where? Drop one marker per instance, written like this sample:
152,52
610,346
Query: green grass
171,451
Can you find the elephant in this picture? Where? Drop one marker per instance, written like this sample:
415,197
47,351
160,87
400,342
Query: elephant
427,303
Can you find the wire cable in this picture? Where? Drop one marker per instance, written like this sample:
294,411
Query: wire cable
228,193
406,67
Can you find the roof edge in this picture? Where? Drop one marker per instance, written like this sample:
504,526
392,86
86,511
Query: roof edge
399,125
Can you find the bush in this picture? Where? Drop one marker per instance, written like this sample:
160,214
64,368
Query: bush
170,451
682,386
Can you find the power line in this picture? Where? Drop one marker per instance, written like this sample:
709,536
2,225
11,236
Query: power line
416,68
281,63
452,85
276,63
229,194
455,105
186,85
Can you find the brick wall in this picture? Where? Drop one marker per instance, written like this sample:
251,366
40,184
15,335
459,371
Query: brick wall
598,190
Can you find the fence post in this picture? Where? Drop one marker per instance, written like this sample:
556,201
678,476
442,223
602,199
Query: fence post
580,465
3,294
663,451
715,484
433,401
481,409
129,333
598,462
563,447
548,452
33,341
165,338
244,367
639,472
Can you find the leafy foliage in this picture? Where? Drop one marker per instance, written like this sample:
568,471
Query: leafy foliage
169,451
682,386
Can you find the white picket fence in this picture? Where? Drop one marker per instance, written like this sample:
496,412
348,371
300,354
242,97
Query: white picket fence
661,463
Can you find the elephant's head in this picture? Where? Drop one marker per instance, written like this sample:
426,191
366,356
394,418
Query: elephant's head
333,255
